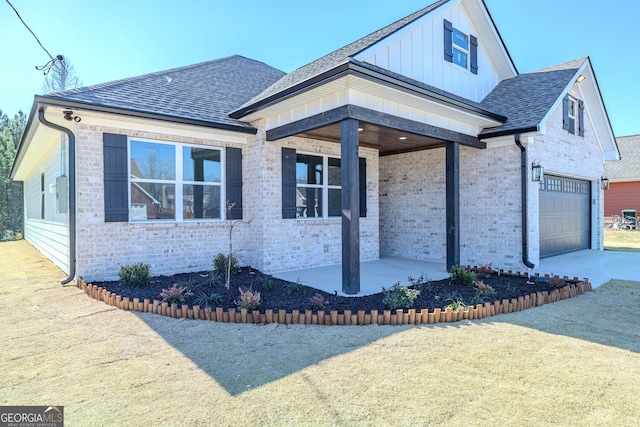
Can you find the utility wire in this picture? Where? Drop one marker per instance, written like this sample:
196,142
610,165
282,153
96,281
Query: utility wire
47,67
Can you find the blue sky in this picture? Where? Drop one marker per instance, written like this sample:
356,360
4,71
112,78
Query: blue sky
109,40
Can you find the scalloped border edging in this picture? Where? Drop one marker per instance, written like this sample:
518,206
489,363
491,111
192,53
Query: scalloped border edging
309,317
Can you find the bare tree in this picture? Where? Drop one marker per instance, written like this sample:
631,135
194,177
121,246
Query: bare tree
61,76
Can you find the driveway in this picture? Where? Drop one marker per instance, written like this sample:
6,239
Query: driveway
574,362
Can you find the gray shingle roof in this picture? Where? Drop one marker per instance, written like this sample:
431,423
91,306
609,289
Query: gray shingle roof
628,167
527,98
338,57
205,92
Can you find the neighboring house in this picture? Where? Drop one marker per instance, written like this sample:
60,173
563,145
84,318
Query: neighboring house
624,178
415,141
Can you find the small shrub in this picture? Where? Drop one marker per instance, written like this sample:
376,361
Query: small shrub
463,276
263,281
189,284
249,299
449,296
556,282
208,300
483,289
456,304
422,283
175,294
318,302
477,299
135,275
215,280
220,264
484,271
293,287
399,296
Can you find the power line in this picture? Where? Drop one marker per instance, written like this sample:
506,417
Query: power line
49,65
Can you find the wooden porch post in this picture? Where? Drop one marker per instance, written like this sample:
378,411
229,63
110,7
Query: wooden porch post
453,203
350,179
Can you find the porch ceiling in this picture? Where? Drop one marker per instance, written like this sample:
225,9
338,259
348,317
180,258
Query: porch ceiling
388,141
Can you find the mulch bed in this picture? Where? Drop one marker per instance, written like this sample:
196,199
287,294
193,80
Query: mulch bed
278,294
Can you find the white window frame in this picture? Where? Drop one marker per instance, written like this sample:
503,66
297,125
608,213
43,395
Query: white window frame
461,49
178,182
325,187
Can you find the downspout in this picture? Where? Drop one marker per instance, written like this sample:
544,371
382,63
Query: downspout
72,193
525,194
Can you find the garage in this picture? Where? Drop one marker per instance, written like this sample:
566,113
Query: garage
565,215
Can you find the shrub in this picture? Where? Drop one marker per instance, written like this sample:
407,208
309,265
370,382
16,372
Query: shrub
483,289
215,280
556,282
477,299
456,304
422,283
220,264
293,287
318,302
208,300
463,276
135,275
263,281
248,299
399,296
484,271
174,294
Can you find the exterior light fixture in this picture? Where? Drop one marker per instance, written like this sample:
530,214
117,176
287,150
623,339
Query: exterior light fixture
537,171
360,129
605,183
402,138
580,78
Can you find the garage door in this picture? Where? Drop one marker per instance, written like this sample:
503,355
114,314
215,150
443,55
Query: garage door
565,215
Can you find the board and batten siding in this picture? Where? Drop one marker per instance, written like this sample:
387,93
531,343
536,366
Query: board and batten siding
50,235
417,51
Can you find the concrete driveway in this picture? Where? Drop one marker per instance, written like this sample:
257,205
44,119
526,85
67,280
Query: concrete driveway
574,362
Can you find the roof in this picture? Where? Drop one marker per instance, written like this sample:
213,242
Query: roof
204,92
336,58
628,167
527,98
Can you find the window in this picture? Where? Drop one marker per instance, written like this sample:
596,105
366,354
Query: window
573,115
460,48
170,182
318,190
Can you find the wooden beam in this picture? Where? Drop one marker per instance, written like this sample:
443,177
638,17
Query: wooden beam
374,117
350,180
453,203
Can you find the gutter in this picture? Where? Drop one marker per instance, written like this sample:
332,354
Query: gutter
72,193
524,161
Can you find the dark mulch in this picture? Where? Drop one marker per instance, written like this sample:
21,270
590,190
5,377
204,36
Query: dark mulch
278,294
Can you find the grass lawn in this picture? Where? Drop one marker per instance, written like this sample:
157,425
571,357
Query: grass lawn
622,240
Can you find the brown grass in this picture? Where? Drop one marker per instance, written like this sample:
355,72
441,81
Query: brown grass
574,362
622,240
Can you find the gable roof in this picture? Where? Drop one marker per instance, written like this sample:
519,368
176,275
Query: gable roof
628,167
203,92
527,98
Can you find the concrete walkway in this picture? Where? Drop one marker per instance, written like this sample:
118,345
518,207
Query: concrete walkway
598,266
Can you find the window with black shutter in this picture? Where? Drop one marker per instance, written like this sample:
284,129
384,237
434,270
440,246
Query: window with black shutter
116,197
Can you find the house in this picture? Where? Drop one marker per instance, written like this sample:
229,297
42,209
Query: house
420,140
624,178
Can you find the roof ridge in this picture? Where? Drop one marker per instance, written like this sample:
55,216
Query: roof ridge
567,65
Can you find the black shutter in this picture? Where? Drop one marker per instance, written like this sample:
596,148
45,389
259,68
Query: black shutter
116,194
474,54
233,182
565,113
448,41
581,118
288,183
363,187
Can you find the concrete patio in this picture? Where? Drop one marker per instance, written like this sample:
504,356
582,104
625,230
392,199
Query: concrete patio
598,266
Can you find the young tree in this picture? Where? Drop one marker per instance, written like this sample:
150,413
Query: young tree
10,192
61,76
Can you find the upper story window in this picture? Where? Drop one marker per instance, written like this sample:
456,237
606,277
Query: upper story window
460,48
318,186
573,115
171,182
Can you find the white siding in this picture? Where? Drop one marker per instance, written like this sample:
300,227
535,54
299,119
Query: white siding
417,52
49,234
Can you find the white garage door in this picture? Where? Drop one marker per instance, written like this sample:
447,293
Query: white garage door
565,215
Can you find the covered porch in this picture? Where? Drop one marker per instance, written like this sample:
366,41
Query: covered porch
373,275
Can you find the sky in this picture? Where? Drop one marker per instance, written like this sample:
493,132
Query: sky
110,40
